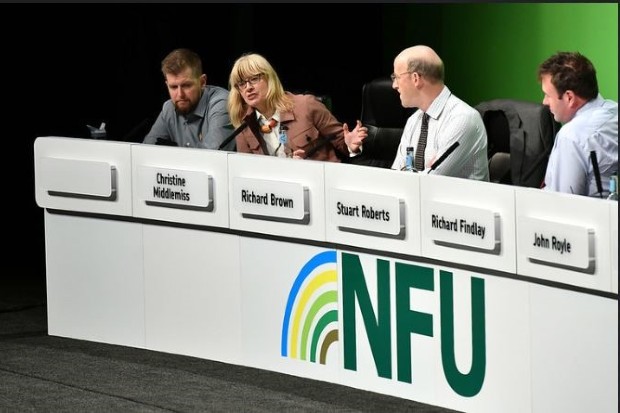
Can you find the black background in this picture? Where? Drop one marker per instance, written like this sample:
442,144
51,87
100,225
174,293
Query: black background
68,65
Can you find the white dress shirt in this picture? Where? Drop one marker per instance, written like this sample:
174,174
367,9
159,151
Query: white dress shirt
272,139
451,120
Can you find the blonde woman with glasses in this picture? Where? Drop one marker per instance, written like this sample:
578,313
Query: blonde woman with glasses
278,123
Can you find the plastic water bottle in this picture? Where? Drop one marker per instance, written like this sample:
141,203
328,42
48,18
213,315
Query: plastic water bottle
409,159
613,188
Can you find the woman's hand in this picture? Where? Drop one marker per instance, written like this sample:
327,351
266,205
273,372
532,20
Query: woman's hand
355,138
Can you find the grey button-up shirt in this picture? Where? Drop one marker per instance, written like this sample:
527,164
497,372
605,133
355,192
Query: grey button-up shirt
206,127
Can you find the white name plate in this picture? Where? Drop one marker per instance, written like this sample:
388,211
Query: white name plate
368,214
462,227
557,244
78,178
271,200
176,188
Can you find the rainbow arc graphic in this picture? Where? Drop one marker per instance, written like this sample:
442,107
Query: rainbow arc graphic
310,324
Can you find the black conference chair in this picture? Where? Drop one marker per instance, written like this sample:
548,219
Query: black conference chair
520,138
385,118
324,99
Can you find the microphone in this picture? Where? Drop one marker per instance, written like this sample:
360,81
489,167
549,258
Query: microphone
138,132
597,173
322,141
443,157
232,136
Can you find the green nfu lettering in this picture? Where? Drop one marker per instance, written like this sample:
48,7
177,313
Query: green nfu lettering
408,322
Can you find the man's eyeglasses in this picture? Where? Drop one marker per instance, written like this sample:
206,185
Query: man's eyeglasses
394,76
243,83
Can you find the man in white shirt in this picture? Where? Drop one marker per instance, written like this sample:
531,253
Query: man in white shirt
570,88
419,79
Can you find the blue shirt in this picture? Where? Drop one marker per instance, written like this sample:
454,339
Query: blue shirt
593,128
206,127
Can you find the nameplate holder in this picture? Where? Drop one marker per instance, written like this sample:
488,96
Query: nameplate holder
78,178
557,244
462,227
270,200
176,188
367,213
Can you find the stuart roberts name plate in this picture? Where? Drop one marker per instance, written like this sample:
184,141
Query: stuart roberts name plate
368,214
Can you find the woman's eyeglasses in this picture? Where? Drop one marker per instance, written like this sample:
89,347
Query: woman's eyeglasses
243,83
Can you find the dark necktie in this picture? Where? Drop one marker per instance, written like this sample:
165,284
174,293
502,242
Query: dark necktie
419,153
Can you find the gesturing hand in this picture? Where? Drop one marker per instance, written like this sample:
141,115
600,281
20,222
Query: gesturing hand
355,138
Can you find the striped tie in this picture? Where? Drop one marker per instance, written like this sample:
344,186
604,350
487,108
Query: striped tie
419,153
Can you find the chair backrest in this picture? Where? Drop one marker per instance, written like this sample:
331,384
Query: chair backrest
520,138
385,118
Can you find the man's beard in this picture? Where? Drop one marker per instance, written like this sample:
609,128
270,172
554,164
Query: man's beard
185,112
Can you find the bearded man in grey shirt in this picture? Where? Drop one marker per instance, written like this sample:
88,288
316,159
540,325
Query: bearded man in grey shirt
195,116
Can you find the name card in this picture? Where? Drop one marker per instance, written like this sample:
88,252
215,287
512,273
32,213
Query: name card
462,227
557,244
271,200
176,188
78,178
368,214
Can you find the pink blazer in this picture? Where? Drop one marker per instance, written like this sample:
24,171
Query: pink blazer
311,127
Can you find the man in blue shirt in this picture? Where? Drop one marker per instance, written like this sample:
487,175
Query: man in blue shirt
195,116
590,124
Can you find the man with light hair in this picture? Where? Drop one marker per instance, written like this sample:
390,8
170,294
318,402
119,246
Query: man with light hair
441,120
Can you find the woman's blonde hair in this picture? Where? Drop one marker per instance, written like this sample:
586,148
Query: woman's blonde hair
245,67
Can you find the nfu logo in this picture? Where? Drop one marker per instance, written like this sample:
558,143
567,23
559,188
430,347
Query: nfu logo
311,316
312,324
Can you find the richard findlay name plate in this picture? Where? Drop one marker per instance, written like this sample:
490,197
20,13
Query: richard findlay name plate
366,213
176,188
463,227
557,244
271,200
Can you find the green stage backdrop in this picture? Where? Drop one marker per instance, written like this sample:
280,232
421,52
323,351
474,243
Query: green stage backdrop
493,50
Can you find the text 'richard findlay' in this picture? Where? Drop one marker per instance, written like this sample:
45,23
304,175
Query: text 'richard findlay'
458,225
